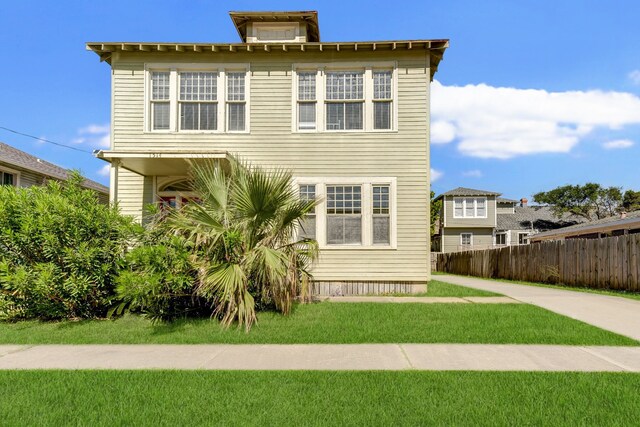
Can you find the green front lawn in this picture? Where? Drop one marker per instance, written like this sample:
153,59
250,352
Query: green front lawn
436,288
158,398
335,323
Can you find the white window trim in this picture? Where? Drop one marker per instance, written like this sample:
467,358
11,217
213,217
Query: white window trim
475,207
322,69
471,239
12,172
520,233
367,210
174,117
495,238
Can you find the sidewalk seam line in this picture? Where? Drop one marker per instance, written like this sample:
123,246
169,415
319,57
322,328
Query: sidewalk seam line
406,357
24,347
606,359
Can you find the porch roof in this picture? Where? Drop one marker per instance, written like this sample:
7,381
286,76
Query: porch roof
161,163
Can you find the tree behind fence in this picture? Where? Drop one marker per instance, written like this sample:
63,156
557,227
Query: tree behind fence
608,263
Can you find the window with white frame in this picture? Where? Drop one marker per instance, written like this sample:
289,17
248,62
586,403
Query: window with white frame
236,103
382,99
307,100
344,100
523,238
381,222
470,207
198,101
344,214
8,178
501,239
308,223
160,100
466,239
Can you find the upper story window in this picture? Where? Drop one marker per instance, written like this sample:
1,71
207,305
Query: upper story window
236,104
352,100
198,101
307,100
344,100
470,207
190,99
160,100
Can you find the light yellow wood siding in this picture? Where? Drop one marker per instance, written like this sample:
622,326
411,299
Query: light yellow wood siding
489,221
403,153
482,238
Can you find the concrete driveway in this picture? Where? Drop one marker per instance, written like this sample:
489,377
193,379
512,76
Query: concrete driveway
615,314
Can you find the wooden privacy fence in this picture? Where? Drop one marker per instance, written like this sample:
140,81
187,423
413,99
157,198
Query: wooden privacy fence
606,263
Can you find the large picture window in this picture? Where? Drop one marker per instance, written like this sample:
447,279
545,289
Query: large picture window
344,214
198,101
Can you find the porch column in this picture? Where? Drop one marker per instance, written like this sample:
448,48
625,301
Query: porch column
113,180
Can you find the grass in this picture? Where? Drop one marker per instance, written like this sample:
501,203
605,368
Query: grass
442,289
610,292
335,323
166,398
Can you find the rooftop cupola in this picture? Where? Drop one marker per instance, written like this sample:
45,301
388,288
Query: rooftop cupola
277,27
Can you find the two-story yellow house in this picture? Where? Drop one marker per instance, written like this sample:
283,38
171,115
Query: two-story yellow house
350,119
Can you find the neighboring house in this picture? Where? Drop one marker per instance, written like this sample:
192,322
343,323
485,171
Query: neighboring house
349,119
619,225
477,219
24,170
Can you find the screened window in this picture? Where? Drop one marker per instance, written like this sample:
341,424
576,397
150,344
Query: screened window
381,214
470,207
382,99
7,178
308,224
466,239
160,99
344,100
307,100
501,238
344,214
236,101
198,101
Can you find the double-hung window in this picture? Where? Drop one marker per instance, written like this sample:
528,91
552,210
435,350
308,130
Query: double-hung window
7,178
344,214
160,100
501,239
344,100
466,239
306,100
198,101
308,223
382,99
236,101
381,215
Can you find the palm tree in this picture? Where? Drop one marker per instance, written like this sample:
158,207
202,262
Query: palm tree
243,227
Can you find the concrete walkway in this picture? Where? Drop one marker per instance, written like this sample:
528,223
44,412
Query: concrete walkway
334,357
615,314
424,300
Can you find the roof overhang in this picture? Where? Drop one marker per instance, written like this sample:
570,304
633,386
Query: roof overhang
308,17
435,47
621,224
159,163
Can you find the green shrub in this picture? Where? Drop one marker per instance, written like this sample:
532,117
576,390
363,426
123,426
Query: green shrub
59,248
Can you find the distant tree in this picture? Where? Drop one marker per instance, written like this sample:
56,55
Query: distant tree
631,200
436,207
590,201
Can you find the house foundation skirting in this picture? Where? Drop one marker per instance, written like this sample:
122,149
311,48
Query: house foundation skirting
354,287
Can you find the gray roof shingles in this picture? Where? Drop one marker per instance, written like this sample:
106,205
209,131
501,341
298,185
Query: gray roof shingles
540,218
462,191
21,160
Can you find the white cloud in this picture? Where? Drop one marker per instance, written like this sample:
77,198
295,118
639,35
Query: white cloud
442,132
501,122
104,170
436,175
618,143
634,76
96,136
473,173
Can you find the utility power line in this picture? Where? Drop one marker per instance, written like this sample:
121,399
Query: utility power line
46,140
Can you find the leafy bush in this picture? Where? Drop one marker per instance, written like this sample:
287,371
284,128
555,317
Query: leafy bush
59,248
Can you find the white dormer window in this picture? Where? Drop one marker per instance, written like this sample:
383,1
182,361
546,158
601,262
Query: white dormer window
470,207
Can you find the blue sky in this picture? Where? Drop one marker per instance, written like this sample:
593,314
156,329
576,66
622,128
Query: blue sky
530,95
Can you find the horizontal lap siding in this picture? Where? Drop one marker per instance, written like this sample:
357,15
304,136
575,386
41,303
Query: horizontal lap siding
482,237
402,154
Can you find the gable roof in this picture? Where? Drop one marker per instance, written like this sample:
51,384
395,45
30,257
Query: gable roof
18,158
462,191
536,217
